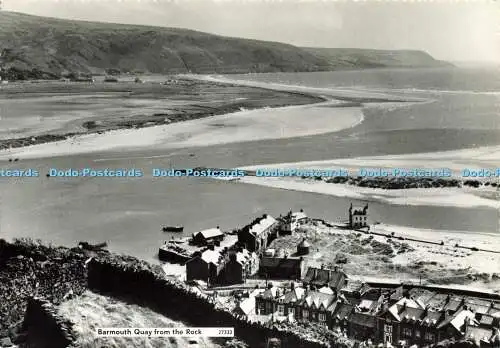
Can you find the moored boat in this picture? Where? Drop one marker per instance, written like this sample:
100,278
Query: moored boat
173,228
92,247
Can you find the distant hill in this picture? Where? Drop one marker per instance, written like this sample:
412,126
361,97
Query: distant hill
58,46
368,58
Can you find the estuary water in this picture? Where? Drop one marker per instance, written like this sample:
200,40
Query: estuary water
462,111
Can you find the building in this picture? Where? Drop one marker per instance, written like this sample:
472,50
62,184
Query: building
280,302
246,306
206,266
292,221
405,315
424,318
317,278
257,235
303,247
317,307
241,264
281,267
358,217
206,237
296,303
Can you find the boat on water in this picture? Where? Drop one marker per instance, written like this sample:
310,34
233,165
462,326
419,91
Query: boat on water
173,228
92,247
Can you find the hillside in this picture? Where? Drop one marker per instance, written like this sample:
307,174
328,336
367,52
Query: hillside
355,57
56,45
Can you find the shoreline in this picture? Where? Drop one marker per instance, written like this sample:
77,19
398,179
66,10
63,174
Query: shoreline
483,157
345,106
94,126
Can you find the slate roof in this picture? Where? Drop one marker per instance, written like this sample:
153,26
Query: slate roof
485,320
362,319
457,320
281,262
247,305
359,210
210,233
293,295
343,311
479,334
211,256
321,277
316,299
262,225
269,293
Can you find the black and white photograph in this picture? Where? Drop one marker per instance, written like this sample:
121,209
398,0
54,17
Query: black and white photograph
249,174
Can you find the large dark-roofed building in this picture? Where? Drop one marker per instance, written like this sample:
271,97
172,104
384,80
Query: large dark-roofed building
281,267
321,277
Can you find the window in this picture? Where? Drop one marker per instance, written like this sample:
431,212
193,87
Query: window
305,313
417,333
322,317
429,336
291,311
281,309
407,332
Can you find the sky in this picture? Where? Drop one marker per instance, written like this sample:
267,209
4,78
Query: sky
453,30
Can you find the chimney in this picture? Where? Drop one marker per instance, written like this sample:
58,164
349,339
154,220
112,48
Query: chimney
336,269
301,210
292,286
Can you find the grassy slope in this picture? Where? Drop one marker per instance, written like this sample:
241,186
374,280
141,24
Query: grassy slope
57,45
355,57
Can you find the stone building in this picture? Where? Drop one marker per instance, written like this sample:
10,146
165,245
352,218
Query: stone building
358,217
256,236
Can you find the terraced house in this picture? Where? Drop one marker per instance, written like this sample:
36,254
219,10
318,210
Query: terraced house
404,315
296,303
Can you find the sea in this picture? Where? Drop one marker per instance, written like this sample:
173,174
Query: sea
463,111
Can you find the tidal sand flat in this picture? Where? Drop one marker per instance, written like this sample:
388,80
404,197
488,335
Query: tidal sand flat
35,113
484,157
241,126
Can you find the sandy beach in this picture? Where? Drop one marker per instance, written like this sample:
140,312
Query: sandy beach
251,125
483,157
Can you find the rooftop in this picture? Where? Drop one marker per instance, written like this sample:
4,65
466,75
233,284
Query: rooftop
209,233
278,262
211,256
262,225
322,276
